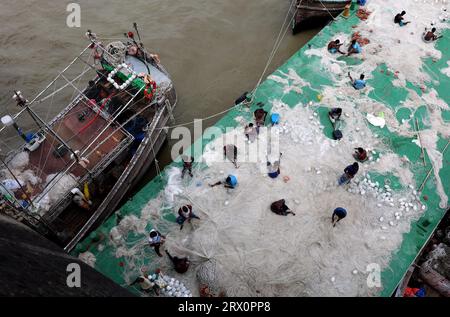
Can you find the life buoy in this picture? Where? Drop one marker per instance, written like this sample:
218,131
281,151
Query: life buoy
149,90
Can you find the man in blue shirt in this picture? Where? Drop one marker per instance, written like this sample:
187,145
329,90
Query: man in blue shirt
359,83
339,213
354,48
230,182
349,172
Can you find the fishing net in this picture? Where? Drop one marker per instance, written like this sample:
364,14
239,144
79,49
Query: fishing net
240,246
117,51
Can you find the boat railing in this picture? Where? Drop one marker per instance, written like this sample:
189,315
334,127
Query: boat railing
63,203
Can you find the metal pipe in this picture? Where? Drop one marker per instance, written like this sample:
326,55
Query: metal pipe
61,88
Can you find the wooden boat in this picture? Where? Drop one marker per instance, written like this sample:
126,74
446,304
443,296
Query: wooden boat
70,174
313,12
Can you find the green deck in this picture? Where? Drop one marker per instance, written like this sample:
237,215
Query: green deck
307,68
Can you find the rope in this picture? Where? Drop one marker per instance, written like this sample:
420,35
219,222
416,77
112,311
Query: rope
157,167
276,46
432,168
327,10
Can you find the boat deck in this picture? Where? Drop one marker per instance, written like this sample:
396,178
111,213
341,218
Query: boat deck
43,161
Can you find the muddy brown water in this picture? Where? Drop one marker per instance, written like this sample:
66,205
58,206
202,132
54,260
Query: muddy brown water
214,49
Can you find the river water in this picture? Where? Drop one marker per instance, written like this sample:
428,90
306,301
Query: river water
214,49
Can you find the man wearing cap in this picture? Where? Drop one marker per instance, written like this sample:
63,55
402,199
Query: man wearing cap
156,239
185,213
230,182
338,214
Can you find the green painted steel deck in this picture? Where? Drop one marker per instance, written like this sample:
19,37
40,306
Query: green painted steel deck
307,68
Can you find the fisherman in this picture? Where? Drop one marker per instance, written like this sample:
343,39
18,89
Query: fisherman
399,19
230,152
187,166
430,36
335,46
335,117
260,117
279,207
338,214
274,168
349,172
156,239
185,213
335,114
250,132
358,84
80,199
274,118
230,182
181,265
354,48
145,284
92,91
360,154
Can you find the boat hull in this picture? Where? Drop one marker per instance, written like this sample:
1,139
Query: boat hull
311,13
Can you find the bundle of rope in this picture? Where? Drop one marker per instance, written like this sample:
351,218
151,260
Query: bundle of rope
117,51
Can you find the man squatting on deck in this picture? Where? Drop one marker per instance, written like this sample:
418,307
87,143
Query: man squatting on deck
335,47
156,239
187,166
185,213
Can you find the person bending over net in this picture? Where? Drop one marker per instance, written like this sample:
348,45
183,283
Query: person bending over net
399,19
279,207
146,285
260,117
230,152
185,213
274,119
187,166
360,154
230,182
335,47
273,168
80,199
250,132
430,36
335,114
181,265
354,48
358,83
349,172
338,214
156,240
